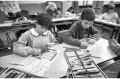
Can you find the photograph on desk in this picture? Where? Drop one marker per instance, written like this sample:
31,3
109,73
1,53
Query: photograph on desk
59,39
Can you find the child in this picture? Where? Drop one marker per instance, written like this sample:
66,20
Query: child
20,17
110,15
50,9
70,12
82,31
59,13
34,41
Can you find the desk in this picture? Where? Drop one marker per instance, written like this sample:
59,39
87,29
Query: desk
59,65
64,20
100,49
115,26
6,25
8,32
57,69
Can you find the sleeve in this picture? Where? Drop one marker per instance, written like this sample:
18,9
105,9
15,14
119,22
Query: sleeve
69,36
20,47
95,34
115,17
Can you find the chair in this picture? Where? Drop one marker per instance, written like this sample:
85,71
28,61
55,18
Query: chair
112,70
61,34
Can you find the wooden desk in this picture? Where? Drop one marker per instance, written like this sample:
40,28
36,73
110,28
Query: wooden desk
57,69
100,49
6,25
8,33
112,25
59,65
64,20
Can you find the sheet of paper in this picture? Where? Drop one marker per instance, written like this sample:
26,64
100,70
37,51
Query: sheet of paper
34,66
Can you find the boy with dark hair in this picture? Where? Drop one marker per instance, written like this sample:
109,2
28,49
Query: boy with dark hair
20,17
83,32
34,41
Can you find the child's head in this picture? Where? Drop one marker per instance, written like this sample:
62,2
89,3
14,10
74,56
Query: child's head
87,17
111,8
71,10
18,14
43,22
58,10
51,5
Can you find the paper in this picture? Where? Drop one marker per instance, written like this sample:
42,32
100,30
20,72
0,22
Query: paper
35,66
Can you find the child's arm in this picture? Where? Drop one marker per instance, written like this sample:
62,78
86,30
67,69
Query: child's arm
20,47
95,34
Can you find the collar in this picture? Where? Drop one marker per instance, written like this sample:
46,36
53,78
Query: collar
37,34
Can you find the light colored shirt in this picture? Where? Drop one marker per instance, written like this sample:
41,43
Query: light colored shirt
110,17
31,39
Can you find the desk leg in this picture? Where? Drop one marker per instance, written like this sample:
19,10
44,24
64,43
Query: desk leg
114,31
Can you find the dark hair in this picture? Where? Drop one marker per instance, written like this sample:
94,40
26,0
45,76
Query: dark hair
71,8
10,14
59,8
44,19
88,14
18,14
111,7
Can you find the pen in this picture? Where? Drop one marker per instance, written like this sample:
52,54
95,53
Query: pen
16,64
72,48
95,57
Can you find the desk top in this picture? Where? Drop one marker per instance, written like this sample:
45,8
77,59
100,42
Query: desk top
106,22
6,25
62,19
59,66
65,18
100,49
15,23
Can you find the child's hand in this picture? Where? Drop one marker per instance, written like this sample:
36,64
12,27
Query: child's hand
35,51
91,41
83,45
45,49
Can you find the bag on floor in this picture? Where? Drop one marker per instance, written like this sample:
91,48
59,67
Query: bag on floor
115,46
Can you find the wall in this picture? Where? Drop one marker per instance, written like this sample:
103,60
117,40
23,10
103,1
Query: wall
65,6
33,8
37,6
3,16
31,2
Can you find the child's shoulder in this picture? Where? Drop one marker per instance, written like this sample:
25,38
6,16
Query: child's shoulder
49,32
26,33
